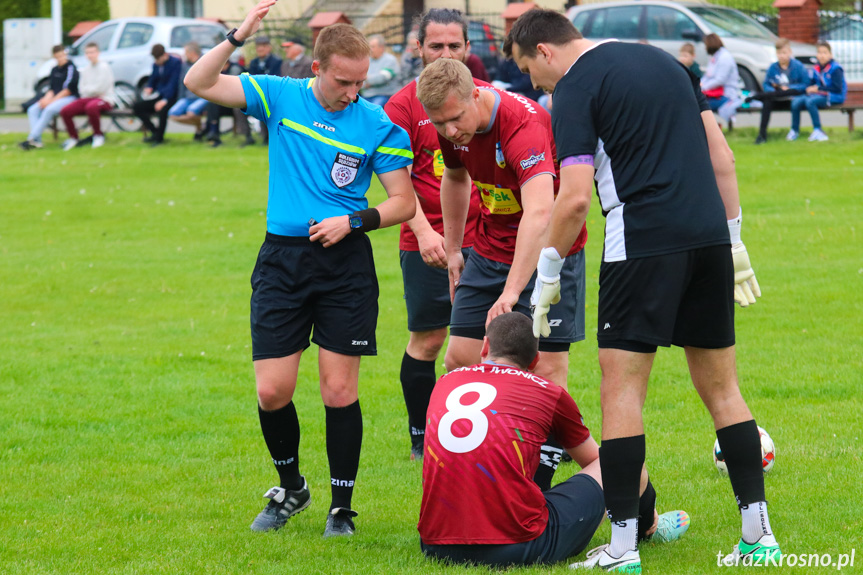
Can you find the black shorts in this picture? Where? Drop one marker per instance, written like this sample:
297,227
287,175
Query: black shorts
298,284
426,292
482,283
683,299
575,510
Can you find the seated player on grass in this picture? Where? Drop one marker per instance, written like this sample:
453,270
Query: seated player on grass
486,424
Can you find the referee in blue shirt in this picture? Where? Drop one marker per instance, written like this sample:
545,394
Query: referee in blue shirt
315,268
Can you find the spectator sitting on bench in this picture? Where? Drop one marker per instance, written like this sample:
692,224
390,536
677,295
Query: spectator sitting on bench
215,112
827,87
97,95
189,108
785,79
720,82
160,94
63,90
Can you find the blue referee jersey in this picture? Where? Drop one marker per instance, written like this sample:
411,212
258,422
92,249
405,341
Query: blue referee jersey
321,162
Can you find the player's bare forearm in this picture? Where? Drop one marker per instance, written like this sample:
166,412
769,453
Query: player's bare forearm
400,205
570,207
454,202
586,453
537,197
205,79
722,159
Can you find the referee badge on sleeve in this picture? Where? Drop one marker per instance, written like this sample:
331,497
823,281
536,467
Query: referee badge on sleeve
344,170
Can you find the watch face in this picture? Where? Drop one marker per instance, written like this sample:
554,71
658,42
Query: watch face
356,222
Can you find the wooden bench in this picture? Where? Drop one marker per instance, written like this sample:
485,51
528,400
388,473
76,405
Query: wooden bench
853,102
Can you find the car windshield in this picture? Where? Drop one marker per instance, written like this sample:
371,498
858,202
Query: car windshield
731,23
205,35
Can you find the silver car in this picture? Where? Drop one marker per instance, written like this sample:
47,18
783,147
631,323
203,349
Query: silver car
668,25
125,44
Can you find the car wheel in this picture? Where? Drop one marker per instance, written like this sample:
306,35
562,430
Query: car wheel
747,80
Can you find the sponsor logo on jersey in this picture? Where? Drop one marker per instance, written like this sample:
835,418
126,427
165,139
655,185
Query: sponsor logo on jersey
521,99
424,122
323,127
500,201
344,170
438,164
532,161
461,148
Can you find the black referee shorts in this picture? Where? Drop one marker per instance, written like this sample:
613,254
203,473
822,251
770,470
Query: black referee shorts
682,299
298,284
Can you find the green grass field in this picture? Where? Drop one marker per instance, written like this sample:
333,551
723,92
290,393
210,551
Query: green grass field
129,438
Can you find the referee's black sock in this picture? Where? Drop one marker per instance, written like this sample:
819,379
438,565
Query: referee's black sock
281,430
344,438
418,380
621,461
549,458
646,507
741,445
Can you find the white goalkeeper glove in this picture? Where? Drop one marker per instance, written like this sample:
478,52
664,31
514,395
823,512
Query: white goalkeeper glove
546,290
745,285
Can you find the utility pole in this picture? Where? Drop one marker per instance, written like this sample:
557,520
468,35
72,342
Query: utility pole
57,20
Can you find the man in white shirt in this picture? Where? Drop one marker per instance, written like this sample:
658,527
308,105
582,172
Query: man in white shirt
97,95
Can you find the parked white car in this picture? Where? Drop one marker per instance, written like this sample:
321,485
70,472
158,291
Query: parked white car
668,25
126,43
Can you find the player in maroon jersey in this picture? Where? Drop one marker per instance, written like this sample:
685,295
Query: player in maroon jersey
502,142
442,34
486,424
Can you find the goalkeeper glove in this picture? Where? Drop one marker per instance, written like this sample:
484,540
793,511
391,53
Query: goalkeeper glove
746,287
546,290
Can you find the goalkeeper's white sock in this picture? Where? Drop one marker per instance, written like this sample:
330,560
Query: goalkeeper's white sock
755,521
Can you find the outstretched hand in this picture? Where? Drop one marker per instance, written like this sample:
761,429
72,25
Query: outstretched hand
253,20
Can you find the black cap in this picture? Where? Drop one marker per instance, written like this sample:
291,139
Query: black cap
262,40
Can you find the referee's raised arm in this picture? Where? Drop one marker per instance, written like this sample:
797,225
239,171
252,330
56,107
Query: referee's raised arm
205,78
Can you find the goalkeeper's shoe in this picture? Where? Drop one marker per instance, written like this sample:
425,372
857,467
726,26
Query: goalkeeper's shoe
671,526
763,552
282,506
629,562
340,522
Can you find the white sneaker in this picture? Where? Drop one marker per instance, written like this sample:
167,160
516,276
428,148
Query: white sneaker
98,141
599,558
818,136
69,144
792,135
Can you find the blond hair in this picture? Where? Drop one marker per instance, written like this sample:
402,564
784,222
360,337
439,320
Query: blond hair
343,40
442,78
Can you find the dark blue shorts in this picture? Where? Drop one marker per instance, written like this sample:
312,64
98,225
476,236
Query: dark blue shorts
483,281
298,285
426,292
575,510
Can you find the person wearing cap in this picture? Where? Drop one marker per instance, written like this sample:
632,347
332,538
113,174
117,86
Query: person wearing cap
297,64
266,63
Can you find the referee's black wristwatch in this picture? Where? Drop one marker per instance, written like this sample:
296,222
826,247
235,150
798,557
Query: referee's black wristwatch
232,40
365,220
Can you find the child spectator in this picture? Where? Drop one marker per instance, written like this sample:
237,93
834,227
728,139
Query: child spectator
63,90
720,82
687,58
827,87
96,87
785,79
